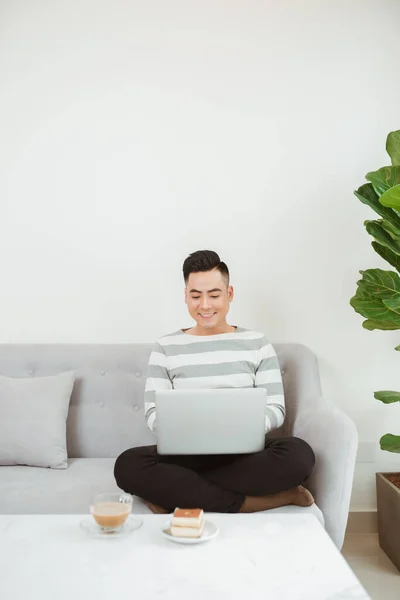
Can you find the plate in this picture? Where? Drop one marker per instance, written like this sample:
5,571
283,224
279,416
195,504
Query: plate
93,529
210,531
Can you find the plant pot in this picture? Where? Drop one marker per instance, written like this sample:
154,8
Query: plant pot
388,501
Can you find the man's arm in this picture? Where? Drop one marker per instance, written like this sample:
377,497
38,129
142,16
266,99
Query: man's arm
157,379
268,376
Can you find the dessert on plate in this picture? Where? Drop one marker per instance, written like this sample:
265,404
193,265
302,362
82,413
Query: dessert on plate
187,522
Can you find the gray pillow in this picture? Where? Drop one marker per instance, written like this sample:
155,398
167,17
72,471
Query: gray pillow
33,417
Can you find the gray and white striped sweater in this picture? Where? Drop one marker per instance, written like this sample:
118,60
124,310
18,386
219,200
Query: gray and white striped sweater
239,359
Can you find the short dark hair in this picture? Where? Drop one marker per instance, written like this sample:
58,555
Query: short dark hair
204,260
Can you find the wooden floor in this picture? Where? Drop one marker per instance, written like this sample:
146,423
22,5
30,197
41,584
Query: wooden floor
372,567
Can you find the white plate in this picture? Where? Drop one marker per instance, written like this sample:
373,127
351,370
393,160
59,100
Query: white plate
93,529
209,532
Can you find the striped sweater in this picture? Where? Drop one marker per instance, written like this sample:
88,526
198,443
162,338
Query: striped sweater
239,359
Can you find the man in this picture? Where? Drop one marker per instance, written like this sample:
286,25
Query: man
209,355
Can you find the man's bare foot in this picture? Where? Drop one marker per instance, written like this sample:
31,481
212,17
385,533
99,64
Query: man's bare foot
299,496
157,510
302,496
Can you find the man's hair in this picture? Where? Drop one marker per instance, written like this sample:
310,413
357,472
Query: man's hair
204,260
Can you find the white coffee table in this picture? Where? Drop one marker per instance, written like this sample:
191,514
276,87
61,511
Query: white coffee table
271,556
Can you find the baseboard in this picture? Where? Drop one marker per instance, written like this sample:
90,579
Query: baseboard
361,521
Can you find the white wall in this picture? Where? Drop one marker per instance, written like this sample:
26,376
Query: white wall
133,133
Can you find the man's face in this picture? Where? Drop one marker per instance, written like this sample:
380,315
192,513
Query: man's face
208,299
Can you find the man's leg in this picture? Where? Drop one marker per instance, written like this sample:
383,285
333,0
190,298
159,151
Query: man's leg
249,483
171,481
269,478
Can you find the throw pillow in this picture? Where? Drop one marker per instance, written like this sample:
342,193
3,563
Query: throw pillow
33,420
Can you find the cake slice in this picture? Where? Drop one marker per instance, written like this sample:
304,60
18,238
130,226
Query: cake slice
187,522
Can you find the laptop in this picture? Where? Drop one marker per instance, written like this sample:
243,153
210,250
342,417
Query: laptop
204,421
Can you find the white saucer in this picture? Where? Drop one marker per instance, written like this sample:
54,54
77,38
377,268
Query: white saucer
210,531
93,529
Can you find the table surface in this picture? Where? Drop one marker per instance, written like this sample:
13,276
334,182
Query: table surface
285,557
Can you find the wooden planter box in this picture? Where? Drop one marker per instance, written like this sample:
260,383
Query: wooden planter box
388,501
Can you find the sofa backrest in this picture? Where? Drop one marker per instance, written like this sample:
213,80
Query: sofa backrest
106,414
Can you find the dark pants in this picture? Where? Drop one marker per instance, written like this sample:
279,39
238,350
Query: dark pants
217,483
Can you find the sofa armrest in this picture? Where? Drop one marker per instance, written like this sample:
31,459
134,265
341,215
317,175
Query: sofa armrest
333,437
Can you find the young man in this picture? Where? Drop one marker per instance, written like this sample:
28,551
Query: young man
209,355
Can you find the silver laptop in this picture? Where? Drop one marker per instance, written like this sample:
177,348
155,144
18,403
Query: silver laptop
220,421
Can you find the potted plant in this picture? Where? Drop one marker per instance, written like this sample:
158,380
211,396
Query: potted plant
378,300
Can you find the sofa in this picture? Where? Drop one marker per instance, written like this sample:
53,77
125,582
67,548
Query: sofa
106,417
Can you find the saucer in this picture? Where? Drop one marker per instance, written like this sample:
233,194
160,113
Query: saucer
94,530
210,531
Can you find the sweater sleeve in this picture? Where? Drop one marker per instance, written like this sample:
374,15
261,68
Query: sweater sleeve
268,376
157,379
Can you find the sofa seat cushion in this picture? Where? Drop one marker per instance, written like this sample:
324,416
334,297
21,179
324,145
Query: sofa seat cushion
31,490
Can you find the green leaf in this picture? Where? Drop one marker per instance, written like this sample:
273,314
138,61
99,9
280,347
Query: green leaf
384,326
378,316
368,196
391,229
375,299
384,284
391,198
393,146
397,348
384,178
390,443
387,397
375,229
387,254
393,304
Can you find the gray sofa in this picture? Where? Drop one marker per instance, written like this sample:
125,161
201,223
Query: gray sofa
106,417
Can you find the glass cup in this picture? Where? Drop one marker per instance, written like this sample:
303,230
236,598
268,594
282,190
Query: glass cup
110,511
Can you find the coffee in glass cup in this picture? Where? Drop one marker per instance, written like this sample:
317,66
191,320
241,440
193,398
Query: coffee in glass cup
110,511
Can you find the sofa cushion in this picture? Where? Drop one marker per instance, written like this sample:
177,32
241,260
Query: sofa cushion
33,417
29,490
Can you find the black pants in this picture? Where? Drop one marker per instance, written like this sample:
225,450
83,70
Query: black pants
217,483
